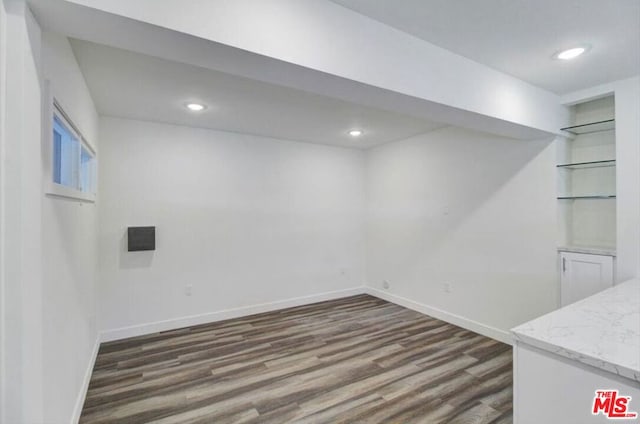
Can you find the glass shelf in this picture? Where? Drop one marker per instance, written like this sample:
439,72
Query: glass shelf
592,127
599,196
592,164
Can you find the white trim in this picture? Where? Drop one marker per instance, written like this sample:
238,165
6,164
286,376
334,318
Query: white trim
471,325
172,324
4,384
587,94
82,394
58,110
592,93
515,396
58,190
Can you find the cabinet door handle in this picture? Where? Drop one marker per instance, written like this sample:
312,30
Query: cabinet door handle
564,265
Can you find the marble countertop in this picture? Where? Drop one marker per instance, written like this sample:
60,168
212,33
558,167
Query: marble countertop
602,330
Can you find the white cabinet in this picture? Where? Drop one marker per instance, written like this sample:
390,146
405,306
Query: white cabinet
583,275
552,389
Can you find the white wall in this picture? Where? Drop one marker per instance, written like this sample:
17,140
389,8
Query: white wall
244,220
48,251
627,94
68,84
473,210
3,101
21,224
69,239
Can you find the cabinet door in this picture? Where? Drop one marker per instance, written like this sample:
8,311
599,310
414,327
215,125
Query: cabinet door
583,275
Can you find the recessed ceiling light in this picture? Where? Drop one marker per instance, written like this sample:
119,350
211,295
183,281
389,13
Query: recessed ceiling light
195,107
571,53
355,133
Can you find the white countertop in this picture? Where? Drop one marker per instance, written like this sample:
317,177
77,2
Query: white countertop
589,250
602,330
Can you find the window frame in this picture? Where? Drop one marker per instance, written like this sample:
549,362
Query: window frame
55,111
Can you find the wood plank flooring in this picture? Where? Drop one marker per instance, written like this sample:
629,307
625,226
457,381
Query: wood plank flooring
353,360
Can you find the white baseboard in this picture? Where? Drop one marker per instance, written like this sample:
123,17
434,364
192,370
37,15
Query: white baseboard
172,324
476,327
82,394
188,321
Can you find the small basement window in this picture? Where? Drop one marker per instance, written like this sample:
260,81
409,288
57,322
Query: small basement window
73,161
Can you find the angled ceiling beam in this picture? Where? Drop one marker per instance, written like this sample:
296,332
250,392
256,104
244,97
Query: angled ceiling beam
319,47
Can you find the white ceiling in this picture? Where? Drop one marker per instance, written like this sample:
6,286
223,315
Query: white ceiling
131,85
519,37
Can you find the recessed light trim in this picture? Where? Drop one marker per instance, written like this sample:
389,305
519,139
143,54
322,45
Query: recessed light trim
195,107
572,53
355,133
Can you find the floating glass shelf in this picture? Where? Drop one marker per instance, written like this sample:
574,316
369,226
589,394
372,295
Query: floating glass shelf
603,196
592,127
592,164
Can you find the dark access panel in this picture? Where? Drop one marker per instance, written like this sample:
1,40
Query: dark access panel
141,238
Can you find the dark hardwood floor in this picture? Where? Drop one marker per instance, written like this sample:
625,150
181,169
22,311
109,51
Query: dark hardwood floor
353,360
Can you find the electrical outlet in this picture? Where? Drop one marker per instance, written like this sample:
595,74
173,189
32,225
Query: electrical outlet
446,287
188,289
385,284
